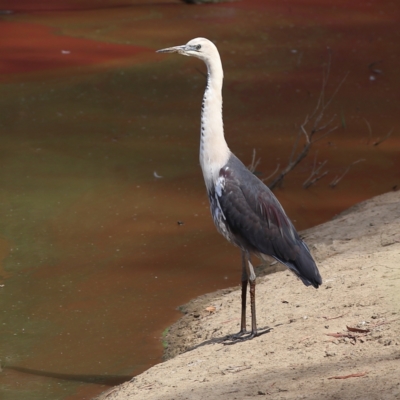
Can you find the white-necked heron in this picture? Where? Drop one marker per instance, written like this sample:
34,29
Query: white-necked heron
244,209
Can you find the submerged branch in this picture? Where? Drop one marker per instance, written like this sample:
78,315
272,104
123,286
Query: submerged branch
313,130
337,179
379,141
315,175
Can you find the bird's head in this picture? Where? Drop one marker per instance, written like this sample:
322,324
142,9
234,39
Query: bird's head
200,47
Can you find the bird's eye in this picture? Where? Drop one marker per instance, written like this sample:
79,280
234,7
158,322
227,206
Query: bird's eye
198,47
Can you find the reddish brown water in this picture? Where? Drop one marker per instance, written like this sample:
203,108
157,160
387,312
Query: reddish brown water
93,261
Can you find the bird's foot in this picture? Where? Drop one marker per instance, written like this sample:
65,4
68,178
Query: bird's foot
242,336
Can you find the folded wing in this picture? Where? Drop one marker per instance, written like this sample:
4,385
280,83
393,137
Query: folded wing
257,222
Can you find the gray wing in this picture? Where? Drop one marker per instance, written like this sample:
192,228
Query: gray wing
258,223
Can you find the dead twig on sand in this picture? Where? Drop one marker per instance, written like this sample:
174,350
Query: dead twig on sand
305,338
337,316
340,335
149,386
353,337
352,333
238,368
358,330
384,322
355,375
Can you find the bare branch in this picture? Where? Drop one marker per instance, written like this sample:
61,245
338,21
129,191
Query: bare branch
325,77
294,148
278,181
337,179
303,129
379,141
326,134
254,163
313,130
314,176
335,92
315,180
272,174
323,127
369,130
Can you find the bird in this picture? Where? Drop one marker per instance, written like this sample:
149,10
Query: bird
244,209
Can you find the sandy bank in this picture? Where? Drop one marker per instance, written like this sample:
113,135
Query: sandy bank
339,342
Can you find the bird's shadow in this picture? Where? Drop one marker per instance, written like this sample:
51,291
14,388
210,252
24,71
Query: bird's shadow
113,380
230,339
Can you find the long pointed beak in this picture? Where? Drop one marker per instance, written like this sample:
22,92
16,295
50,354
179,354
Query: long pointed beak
176,49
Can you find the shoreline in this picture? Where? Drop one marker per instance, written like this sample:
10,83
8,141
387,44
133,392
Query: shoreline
345,336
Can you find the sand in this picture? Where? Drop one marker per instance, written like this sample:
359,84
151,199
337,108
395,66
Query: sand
341,341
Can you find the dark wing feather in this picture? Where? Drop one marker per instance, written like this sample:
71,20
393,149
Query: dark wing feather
257,221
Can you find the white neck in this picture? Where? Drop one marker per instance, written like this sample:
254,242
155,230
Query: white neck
214,152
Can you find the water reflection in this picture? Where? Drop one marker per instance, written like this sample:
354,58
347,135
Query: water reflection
93,262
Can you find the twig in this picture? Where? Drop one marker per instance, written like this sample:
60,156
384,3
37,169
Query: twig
148,386
339,335
379,141
337,179
338,316
326,133
314,177
358,330
239,368
384,322
335,92
272,174
369,130
315,180
355,375
314,119
295,144
305,338
254,163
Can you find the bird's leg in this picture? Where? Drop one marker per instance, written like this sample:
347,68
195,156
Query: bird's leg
248,275
253,308
252,280
245,279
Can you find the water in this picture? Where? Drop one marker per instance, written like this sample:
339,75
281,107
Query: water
93,260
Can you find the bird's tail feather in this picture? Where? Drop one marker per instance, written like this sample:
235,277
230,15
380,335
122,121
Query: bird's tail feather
304,268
